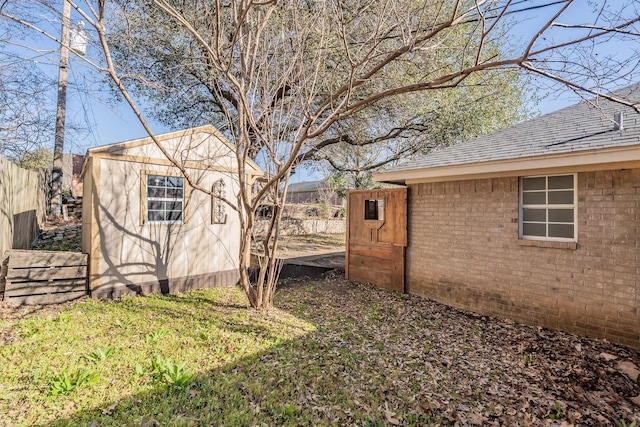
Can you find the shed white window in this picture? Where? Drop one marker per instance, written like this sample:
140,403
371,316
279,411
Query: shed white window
165,199
548,208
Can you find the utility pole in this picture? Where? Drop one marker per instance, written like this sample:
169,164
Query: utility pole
58,150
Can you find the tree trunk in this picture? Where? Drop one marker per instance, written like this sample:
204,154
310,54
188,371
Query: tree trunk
260,293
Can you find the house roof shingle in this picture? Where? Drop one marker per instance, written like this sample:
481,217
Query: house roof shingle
299,187
587,125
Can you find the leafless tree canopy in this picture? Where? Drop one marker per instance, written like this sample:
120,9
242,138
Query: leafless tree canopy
285,79
25,123
27,85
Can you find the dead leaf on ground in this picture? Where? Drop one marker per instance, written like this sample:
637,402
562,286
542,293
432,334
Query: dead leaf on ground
109,409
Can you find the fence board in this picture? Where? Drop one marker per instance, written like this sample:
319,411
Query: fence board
3,272
23,201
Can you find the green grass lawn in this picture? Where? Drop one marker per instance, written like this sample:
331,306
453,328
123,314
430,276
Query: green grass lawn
330,353
135,352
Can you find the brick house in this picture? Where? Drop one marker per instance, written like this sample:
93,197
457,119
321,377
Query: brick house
539,222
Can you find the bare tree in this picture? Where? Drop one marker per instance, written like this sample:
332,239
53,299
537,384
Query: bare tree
285,74
25,122
176,80
27,90
415,124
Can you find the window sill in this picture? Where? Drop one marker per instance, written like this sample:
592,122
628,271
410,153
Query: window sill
548,244
163,223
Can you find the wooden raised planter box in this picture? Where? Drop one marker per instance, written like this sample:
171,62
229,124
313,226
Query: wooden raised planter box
44,277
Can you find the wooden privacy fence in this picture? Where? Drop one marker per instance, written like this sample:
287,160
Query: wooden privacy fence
44,277
23,203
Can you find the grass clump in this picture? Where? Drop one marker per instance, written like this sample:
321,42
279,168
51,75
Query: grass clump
66,383
100,354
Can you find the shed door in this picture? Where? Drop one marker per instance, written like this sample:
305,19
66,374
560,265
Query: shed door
377,237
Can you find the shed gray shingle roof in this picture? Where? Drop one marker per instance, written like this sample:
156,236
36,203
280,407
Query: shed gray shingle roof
587,125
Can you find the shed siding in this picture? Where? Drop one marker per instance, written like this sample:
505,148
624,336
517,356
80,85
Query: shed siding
464,251
202,147
137,258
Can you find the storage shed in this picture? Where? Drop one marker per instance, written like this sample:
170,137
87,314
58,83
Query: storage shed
539,222
146,229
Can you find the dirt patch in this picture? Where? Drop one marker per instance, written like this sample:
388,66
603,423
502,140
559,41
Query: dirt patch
10,315
318,244
307,245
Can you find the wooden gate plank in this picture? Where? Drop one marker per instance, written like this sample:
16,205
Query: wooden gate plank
370,251
45,273
380,265
30,259
378,278
44,299
28,288
45,277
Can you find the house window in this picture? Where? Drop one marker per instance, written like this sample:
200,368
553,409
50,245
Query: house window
165,199
548,208
374,210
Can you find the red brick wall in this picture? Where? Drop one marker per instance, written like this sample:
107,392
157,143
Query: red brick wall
464,251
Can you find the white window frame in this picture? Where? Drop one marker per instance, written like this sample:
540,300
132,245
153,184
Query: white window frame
146,199
547,206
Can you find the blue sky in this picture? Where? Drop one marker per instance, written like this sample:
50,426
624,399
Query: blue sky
111,122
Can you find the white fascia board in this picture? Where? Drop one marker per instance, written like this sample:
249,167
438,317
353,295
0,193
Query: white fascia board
581,161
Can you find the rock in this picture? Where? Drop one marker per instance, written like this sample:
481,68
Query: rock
629,369
635,400
606,356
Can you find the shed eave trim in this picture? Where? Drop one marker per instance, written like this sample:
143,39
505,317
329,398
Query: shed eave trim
164,162
210,129
600,159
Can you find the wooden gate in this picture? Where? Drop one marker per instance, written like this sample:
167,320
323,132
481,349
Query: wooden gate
377,237
43,277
